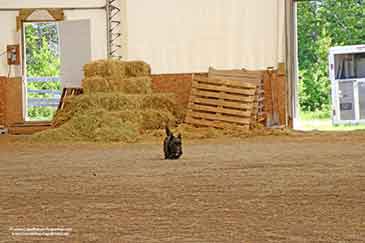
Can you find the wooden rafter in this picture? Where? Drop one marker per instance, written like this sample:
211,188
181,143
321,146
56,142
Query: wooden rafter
56,13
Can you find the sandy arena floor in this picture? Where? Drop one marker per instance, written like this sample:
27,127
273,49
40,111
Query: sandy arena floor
263,189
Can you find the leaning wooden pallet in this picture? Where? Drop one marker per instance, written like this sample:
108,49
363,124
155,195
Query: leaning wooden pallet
221,103
255,112
68,92
249,76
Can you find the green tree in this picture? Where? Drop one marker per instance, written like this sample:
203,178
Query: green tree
322,24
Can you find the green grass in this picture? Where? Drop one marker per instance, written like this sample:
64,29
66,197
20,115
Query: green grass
41,113
321,121
315,115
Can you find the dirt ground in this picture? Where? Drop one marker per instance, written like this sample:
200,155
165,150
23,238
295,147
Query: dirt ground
307,188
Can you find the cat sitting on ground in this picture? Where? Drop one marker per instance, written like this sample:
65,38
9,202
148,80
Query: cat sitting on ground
172,145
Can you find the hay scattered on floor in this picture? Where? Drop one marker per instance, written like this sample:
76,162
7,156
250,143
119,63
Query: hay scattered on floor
192,132
110,117
114,102
95,126
108,126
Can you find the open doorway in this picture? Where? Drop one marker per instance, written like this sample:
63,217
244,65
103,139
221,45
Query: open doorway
41,70
322,25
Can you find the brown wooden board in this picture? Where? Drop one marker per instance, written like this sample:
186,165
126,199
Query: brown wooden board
13,101
210,123
221,110
2,101
222,95
238,74
221,103
222,88
255,112
28,127
226,82
222,117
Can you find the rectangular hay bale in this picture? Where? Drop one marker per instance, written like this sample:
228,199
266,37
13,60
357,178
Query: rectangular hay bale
109,69
137,69
134,85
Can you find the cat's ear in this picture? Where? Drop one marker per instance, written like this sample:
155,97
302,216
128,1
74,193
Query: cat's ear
168,132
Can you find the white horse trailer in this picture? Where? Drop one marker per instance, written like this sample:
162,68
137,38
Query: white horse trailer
347,75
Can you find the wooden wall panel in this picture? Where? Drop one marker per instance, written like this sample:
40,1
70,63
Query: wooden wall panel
13,101
281,89
179,83
2,100
275,95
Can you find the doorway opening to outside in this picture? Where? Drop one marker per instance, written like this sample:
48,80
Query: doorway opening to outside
325,29
42,85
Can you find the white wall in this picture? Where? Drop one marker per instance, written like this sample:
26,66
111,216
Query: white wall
177,35
9,35
190,35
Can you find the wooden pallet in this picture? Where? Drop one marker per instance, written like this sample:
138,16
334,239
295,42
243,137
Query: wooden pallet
68,92
247,76
220,103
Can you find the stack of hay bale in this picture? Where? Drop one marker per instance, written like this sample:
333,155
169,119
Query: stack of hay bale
117,105
117,76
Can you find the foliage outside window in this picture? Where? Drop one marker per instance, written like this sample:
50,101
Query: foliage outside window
42,60
321,25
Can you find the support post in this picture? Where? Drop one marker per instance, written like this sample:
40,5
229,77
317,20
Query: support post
113,24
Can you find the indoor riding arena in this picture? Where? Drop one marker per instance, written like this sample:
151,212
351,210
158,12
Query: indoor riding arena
173,121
